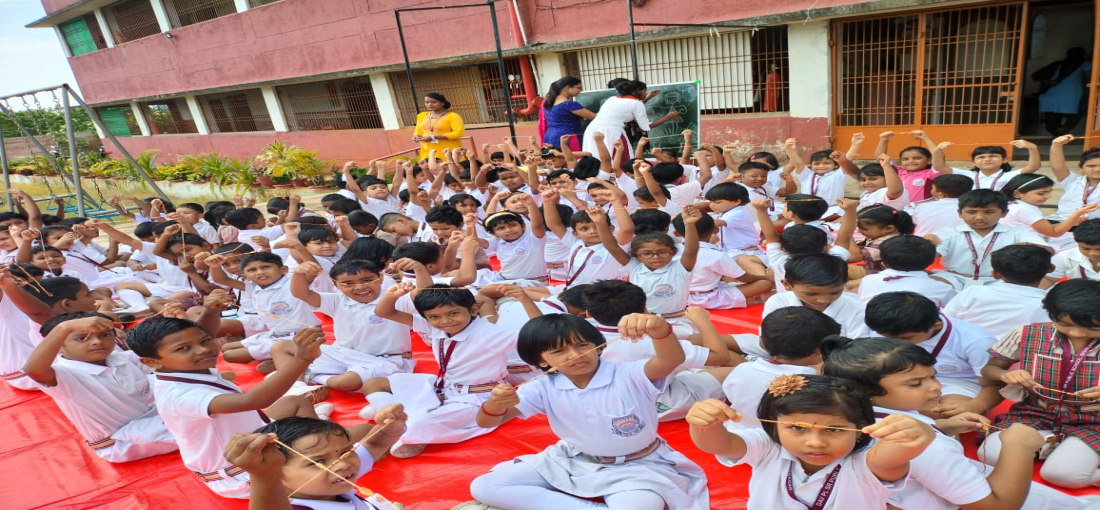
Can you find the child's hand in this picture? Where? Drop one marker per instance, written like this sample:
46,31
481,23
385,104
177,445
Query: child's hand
250,202
687,133
468,243
858,138
617,144
899,428
456,237
883,160
238,201
295,199
711,412
214,260
261,241
172,230
848,205
257,454
186,266
786,176
515,291
643,141
393,413
550,196
1090,393
95,223
400,289
837,155
30,234
406,264
174,311
309,342
1062,140
504,396
90,324
292,229
790,144
469,219
962,423
1023,144
643,167
958,408
219,300
598,136
201,257
733,177
598,215
340,221
762,204
637,325
919,134
690,215
697,314
1021,377
942,146
309,269
886,135
347,167
1023,435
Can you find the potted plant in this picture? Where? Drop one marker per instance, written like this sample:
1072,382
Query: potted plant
280,162
312,169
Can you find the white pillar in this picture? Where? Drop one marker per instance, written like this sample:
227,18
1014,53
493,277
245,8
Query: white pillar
274,109
386,100
99,132
142,123
241,5
808,47
549,68
105,28
162,15
64,44
196,115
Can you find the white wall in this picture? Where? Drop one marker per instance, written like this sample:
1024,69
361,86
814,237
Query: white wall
808,45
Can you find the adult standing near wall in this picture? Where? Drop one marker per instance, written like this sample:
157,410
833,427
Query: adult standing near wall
616,112
438,128
1063,88
562,114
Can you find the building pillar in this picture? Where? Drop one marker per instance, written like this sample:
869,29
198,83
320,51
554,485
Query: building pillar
105,28
241,5
196,115
808,50
162,15
274,109
386,100
64,44
139,116
549,68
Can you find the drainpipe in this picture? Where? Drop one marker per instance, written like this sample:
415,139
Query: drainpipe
534,100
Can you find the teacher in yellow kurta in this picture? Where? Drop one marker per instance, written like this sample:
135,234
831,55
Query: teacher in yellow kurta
438,128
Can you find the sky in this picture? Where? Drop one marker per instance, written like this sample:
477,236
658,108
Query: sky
30,58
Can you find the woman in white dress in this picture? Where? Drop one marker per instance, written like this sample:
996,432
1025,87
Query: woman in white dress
616,112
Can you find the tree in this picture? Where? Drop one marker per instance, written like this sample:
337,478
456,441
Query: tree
45,121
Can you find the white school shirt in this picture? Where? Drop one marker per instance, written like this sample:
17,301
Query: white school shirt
626,351
684,194
777,262
16,344
847,310
746,384
480,354
629,186
100,399
740,233
357,327
856,486
828,186
615,415
892,280
710,266
998,307
276,299
1074,264
1077,194
965,351
272,233
767,191
207,232
958,256
666,289
522,259
996,181
183,401
82,265
830,232
557,252
378,207
931,216
322,283
589,264
879,196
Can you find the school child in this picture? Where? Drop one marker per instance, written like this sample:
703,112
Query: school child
519,244
789,343
472,351
21,310
445,221
755,177
342,207
180,250
651,220
1082,262
794,160
274,471
958,346
190,216
808,210
877,224
424,262
669,175
901,378
623,460
737,232
75,261
992,166
252,227
1025,194
312,243
942,211
283,315
816,281
822,179
104,393
820,445
881,185
904,259
202,409
915,162
1055,387
374,194
1012,299
965,249
49,259
588,261
1080,188
404,226
712,282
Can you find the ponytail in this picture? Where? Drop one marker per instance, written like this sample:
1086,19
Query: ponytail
884,216
557,87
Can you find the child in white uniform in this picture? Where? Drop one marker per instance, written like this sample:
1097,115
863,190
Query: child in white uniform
519,244
941,212
881,185
1080,189
823,178
1025,194
709,288
737,231
818,454
588,261
992,168
1082,261
904,259
15,342
250,222
817,281
1013,299
802,239
606,417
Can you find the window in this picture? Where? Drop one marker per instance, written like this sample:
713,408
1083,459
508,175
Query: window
188,12
83,35
252,4
169,117
119,120
330,105
473,90
738,72
131,20
236,112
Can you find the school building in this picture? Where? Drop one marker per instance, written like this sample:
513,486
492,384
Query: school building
229,76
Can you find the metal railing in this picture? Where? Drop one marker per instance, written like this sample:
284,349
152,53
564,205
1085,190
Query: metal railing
131,20
236,112
473,89
182,13
169,117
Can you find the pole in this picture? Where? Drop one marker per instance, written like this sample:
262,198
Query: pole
4,166
103,128
633,41
408,65
72,150
503,77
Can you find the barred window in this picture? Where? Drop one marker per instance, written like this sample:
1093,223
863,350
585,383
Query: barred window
236,112
83,35
182,13
131,20
330,105
119,120
252,4
738,72
473,90
169,117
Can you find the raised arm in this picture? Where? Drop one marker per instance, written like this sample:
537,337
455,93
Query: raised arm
1058,157
350,184
34,215
301,283
534,217
705,420
760,207
567,152
894,186
639,151
853,150
218,275
39,365
847,223
116,235
161,247
307,344
939,158
31,306
386,304
883,145
850,169
1034,159
691,216
705,174
398,175
599,217
642,168
900,439
669,353
550,213
686,149
794,159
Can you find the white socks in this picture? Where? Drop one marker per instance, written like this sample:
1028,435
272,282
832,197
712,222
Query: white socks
132,298
380,399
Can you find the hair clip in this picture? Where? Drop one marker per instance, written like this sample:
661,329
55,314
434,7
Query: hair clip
786,385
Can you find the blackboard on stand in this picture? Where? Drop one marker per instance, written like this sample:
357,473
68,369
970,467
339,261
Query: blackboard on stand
681,97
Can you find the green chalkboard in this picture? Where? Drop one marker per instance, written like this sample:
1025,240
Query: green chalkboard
681,97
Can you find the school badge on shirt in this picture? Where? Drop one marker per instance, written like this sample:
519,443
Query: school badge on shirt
627,426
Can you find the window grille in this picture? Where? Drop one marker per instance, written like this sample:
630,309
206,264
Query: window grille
236,112
473,90
182,13
738,72
119,120
83,35
131,20
330,105
252,4
169,117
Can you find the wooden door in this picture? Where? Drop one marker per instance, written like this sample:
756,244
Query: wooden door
1092,121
